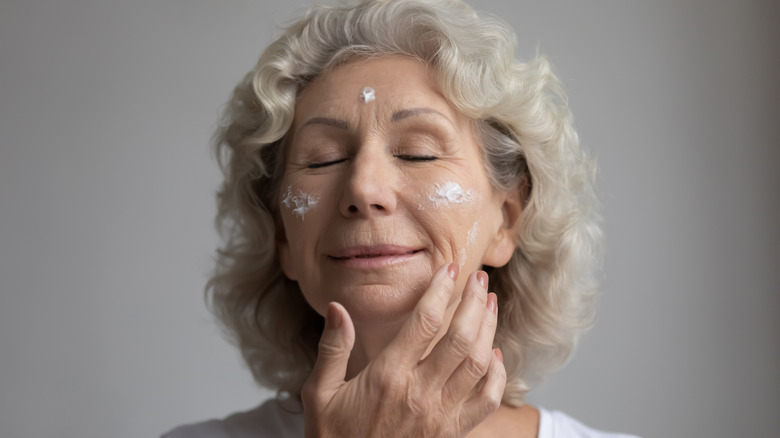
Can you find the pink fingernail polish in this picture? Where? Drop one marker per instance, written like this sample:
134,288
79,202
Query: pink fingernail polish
452,270
483,279
492,304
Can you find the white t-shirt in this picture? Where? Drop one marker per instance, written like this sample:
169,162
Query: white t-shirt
269,420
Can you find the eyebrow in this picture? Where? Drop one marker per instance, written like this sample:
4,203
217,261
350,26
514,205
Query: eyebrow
326,121
400,115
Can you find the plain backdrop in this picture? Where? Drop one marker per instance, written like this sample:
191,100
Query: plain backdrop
107,200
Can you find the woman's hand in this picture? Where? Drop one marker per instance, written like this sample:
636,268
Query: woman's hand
400,394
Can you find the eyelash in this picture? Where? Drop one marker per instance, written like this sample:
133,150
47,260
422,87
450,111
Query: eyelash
413,158
326,163
416,157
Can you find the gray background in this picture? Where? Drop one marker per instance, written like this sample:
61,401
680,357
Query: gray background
106,206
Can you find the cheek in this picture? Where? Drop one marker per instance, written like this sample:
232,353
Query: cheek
453,211
300,210
299,202
444,196
473,234
450,194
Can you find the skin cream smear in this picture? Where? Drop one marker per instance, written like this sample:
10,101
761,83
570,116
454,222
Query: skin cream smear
300,203
450,193
471,237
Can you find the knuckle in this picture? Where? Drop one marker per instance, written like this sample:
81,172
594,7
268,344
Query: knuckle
428,321
460,341
327,349
388,379
480,295
476,367
417,404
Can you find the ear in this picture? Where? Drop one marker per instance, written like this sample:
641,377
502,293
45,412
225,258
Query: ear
283,249
501,248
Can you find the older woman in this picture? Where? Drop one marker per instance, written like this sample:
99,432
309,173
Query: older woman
387,165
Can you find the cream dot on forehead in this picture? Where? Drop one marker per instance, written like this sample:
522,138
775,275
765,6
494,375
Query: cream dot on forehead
367,94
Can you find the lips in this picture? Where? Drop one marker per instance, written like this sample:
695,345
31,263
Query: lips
373,251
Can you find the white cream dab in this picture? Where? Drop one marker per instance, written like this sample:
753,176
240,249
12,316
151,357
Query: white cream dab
367,94
300,202
462,257
450,193
471,237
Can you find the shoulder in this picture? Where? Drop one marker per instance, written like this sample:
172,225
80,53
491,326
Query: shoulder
556,424
270,419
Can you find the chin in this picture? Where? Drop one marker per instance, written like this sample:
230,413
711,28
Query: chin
378,304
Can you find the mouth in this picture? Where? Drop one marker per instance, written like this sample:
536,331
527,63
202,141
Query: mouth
373,251
373,256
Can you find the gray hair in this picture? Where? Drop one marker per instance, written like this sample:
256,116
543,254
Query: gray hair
520,111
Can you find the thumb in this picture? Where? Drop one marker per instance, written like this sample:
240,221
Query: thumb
334,349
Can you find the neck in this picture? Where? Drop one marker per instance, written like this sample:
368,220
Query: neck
518,422
370,340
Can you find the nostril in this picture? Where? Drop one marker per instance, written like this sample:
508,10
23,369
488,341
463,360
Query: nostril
378,207
353,209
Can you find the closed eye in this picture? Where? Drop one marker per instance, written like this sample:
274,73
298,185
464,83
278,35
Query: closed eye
416,157
326,163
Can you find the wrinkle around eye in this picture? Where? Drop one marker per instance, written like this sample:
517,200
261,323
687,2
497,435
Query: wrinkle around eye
318,152
321,164
420,148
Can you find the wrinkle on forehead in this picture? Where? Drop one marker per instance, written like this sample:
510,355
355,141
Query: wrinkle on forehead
336,94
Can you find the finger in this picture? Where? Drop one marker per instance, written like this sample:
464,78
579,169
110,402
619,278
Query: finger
459,341
417,333
336,342
488,398
476,365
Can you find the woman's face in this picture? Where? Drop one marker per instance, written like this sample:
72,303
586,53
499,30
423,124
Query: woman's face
382,188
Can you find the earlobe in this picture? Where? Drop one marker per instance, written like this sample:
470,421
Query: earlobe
500,250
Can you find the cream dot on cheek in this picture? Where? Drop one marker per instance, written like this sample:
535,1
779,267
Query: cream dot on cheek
462,258
300,202
471,237
449,193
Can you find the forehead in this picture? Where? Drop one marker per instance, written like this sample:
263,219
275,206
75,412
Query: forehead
399,83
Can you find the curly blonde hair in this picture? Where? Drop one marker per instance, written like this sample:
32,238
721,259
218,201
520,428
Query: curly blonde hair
546,290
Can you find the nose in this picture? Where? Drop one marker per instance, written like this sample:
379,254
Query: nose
370,186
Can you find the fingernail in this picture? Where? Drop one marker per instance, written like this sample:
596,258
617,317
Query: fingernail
483,279
499,354
492,302
333,320
452,270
